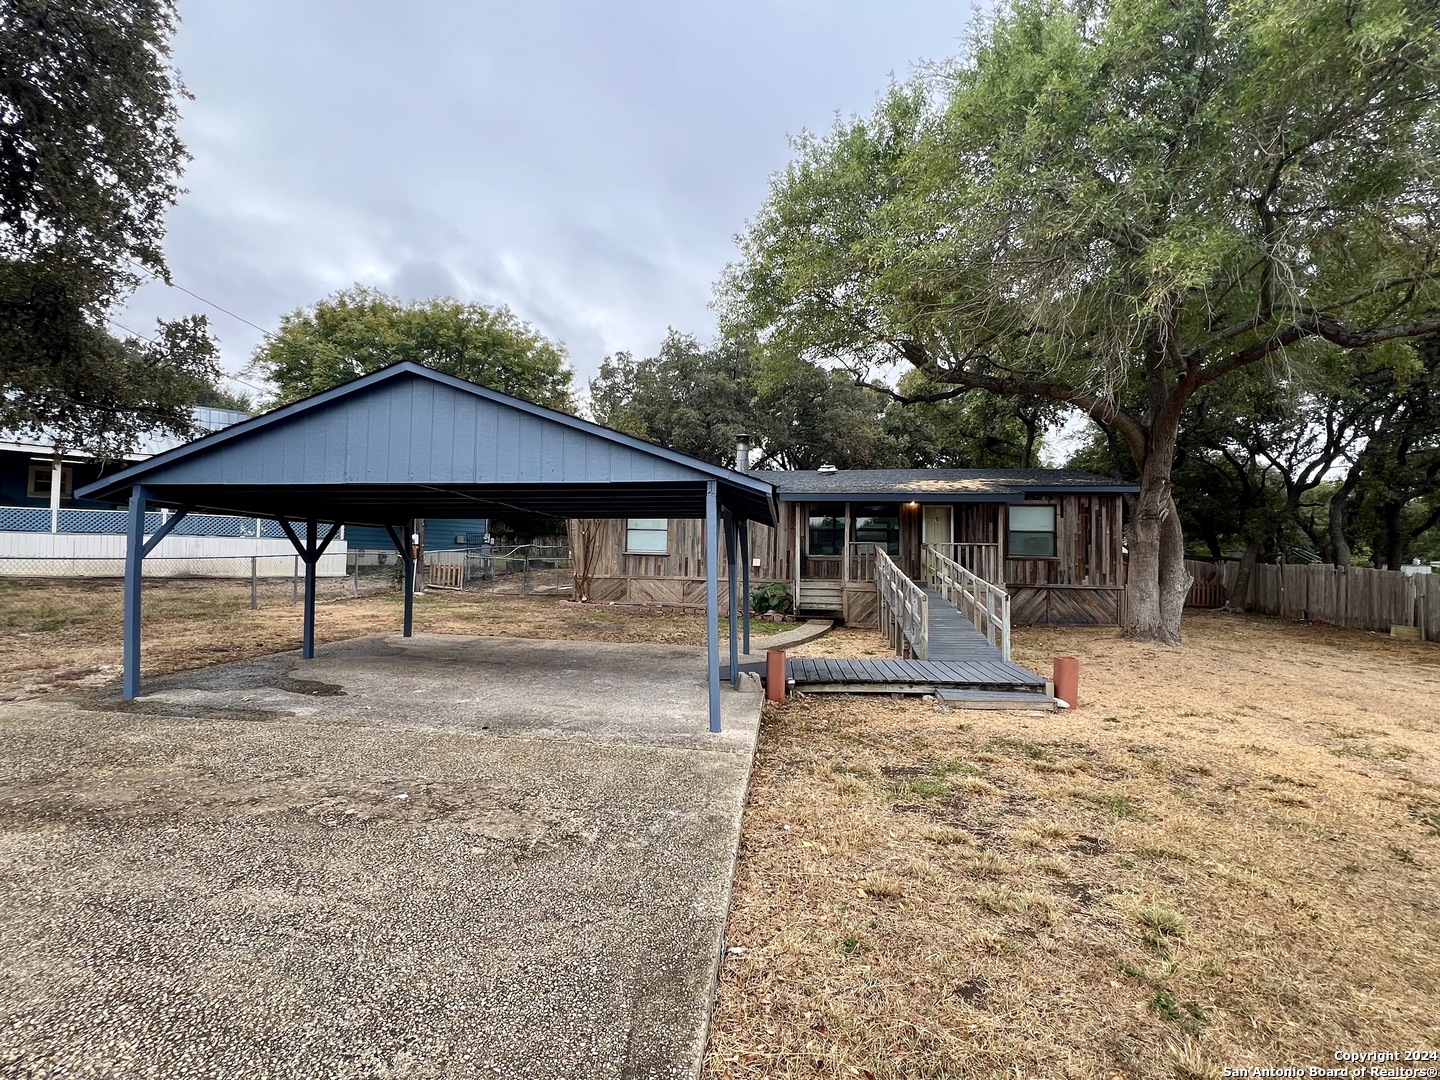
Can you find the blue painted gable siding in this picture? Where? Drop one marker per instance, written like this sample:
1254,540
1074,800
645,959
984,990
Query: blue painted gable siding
419,431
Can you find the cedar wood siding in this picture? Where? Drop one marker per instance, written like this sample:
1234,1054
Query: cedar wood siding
1082,584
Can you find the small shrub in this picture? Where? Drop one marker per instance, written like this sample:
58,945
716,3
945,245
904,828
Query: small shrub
772,596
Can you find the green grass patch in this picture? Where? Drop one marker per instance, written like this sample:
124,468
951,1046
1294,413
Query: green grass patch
1118,805
1160,854
1033,751
924,787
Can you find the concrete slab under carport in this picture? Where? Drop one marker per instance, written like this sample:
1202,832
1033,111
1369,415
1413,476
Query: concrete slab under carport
431,857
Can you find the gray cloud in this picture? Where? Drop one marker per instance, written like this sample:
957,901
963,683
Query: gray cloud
585,164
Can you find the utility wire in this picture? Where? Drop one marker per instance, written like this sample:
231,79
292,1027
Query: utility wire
145,337
203,300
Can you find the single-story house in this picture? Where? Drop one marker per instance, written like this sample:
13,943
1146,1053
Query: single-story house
1053,537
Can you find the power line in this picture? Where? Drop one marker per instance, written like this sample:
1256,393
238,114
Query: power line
203,300
144,337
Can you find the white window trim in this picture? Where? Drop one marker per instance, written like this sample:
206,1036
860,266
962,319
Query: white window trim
67,482
629,529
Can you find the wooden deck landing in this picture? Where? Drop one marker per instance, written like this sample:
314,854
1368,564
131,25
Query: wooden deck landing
960,658
912,676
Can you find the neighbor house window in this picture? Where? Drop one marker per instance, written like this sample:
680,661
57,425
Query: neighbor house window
647,536
827,533
40,482
878,525
1032,532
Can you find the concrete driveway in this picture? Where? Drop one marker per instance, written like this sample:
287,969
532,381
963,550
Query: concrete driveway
442,857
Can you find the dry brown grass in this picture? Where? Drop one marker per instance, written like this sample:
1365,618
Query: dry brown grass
60,635
1229,855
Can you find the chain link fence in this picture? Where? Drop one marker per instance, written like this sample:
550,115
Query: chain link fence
521,570
163,566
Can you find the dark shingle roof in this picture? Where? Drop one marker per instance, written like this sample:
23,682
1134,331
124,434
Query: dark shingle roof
940,485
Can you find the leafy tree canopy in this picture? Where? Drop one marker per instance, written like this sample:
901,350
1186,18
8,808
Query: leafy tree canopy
89,163
360,330
969,430
695,398
687,397
1114,204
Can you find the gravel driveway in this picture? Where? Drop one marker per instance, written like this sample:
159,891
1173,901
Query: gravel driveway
443,857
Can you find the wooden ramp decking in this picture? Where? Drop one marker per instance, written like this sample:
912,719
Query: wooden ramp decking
961,658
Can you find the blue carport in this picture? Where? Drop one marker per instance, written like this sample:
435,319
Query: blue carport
407,442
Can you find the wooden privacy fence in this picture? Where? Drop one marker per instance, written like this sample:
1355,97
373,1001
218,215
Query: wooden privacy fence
1351,596
904,610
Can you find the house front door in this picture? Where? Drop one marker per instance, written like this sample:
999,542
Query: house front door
937,525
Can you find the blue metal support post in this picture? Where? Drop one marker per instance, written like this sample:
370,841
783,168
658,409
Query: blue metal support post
732,572
409,555
134,563
307,636
712,598
744,530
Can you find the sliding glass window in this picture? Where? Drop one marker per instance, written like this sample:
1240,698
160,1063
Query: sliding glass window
827,531
878,525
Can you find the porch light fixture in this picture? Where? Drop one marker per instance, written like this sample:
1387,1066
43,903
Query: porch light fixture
912,505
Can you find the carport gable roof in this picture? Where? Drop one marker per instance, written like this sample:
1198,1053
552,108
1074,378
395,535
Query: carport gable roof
407,441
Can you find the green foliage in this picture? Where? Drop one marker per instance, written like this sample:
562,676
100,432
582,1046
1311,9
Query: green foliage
688,397
696,398
1114,205
772,596
360,330
89,162
217,397
965,430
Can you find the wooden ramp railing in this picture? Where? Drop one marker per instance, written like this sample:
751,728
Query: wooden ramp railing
904,609
982,560
987,606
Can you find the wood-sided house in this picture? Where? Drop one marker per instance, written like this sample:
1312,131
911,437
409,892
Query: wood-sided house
1053,537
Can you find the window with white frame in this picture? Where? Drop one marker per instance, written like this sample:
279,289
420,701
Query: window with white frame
1032,532
647,536
39,487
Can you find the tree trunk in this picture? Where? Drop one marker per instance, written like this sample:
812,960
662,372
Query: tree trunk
1032,431
1239,596
1339,507
1158,581
1394,536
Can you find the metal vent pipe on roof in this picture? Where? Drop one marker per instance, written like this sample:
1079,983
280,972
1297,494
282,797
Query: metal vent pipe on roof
742,452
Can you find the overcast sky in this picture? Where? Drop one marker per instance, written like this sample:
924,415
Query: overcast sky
586,164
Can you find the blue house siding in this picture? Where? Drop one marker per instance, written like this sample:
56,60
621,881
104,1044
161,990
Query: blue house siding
439,533
15,480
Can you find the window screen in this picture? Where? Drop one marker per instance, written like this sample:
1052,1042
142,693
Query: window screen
1032,532
647,536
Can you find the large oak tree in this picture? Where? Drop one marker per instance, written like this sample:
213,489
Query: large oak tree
1115,205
